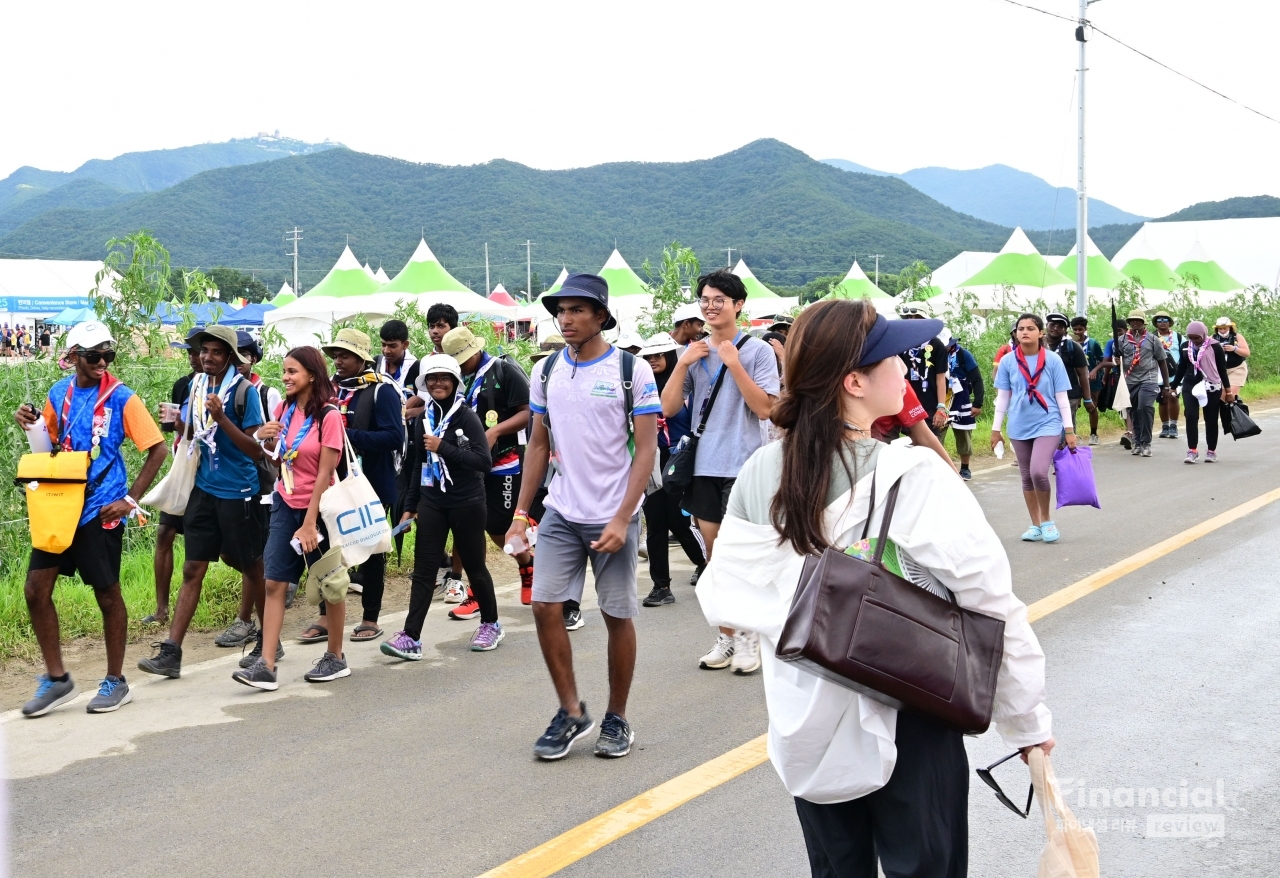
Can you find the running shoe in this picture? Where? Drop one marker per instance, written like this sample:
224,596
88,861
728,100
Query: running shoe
1192,456
239,633
573,619
1126,440
1093,438
526,585
1032,534
1173,430
167,662
1146,451
49,694
693,580
660,596
965,473
1049,532
258,676
256,653
402,646
562,733
488,636
1164,432
1211,457
455,590
468,609
327,667
720,656
746,653
616,737
113,694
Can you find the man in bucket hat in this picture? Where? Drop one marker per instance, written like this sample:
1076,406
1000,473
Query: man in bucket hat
1141,359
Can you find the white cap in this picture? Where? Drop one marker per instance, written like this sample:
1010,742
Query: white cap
1223,321
659,344
629,340
687,312
945,337
88,335
436,364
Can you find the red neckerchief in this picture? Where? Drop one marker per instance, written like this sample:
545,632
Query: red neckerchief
1137,348
1032,379
106,387
255,379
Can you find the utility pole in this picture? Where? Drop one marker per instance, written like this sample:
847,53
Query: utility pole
728,258
1082,199
487,288
295,236
528,268
877,257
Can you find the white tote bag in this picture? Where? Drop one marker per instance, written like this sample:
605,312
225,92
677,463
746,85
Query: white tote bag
1071,851
174,490
354,515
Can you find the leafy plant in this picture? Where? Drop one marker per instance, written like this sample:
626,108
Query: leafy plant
137,266
671,286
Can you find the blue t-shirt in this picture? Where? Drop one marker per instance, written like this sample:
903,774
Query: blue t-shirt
1027,420
230,474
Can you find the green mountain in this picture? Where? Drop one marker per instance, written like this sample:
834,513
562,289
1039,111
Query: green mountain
85,193
791,217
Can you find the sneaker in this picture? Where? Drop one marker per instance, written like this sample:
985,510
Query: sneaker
573,619
49,694
1126,440
562,733
693,580
355,587
256,653
1211,457
1173,430
402,646
1032,534
1049,532
488,636
113,694
1164,432
257,675
1137,451
660,595
1093,438
239,633
455,590
965,474
327,667
167,662
526,585
616,737
1192,456
289,594
1146,451
720,656
746,653
468,609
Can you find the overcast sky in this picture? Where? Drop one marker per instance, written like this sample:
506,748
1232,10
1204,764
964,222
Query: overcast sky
892,84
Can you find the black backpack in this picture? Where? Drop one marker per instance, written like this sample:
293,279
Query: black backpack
268,469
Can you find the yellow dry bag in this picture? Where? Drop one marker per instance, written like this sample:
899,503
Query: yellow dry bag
54,483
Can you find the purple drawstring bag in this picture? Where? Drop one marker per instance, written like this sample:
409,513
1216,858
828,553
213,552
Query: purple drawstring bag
1074,472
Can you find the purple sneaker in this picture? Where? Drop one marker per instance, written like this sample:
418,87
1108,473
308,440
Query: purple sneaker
403,646
488,636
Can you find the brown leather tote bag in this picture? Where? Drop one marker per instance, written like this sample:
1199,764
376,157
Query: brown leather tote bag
855,623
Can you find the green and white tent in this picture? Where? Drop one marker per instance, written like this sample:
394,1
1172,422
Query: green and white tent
628,294
559,282
1146,267
761,301
381,276
1210,277
307,319
1017,276
284,297
425,282
1102,277
856,285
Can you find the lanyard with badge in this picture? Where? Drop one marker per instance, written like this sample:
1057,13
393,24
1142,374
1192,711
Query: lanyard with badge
291,449
100,422
712,382
205,424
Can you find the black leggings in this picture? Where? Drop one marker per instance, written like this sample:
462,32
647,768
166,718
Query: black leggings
431,530
662,516
1192,408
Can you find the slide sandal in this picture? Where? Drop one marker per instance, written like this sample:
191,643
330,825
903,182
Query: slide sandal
308,637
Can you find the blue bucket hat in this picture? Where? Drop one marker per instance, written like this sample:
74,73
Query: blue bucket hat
582,286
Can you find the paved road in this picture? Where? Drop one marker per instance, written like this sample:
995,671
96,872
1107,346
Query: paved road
1165,676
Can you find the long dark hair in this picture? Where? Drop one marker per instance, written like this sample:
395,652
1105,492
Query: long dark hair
661,377
322,393
824,346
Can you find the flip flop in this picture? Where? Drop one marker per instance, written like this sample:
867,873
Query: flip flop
373,632
153,619
304,637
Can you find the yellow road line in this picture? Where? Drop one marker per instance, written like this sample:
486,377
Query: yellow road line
586,838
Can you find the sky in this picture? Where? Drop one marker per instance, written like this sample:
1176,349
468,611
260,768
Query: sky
891,84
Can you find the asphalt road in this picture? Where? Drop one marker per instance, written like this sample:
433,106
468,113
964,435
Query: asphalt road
1164,676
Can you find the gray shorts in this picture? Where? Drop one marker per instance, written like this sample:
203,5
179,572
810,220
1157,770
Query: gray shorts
560,565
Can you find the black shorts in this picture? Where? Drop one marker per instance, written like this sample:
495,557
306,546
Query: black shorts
502,493
94,553
707,498
233,529
173,521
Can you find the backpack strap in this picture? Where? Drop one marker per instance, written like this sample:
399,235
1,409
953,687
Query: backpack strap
628,365
242,390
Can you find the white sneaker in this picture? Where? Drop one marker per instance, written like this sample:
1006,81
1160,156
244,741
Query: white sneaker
720,656
455,591
746,652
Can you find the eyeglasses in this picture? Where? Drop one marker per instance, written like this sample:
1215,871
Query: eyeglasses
95,357
712,304
985,774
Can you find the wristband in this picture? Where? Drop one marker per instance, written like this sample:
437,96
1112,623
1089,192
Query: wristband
521,517
521,513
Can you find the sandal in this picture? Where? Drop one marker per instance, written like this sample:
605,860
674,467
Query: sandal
153,619
370,632
307,637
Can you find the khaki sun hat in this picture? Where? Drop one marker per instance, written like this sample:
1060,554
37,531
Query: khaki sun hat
461,344
1137,314
351,340
552,344
224,334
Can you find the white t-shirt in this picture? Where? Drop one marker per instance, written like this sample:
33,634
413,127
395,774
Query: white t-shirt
589,431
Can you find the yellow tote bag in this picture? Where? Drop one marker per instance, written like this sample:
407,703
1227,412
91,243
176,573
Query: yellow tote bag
54,484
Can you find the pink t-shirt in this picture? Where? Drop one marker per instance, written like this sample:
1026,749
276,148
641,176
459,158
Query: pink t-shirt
306,466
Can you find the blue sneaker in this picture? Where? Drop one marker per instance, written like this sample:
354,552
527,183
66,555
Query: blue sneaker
561,734
113,694
49,694
1033,534
1049,532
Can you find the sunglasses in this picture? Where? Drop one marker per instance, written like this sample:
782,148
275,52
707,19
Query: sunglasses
985,774
93,358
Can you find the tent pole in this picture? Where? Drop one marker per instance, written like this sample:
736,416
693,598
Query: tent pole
1082,200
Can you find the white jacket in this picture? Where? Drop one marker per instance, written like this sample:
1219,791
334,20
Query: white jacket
828,743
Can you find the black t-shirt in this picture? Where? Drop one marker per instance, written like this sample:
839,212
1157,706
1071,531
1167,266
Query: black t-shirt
1073,358
181,389
504,389
924,365
44,339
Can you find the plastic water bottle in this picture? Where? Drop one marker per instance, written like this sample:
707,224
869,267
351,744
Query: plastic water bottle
999,450
520,545
38,435
464,444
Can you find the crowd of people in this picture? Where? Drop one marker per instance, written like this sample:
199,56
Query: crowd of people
21,340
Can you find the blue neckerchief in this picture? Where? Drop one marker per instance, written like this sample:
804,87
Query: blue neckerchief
292,451
434,470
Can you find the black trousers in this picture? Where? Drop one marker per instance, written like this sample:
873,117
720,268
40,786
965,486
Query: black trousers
431,531
1191,406
917,824
662,516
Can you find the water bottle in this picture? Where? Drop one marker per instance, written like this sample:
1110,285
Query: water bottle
38,438
519,545
464,444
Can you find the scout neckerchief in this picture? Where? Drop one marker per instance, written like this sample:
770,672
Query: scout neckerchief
205,425
288,452
1137,349
477,380
98,429
347,388
1032,378
434,470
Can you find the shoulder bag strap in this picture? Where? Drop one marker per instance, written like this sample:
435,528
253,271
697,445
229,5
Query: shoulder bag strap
627,364
715,391
871,508
883,540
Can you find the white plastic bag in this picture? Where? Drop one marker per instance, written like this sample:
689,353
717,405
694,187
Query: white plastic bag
354,515
1071,852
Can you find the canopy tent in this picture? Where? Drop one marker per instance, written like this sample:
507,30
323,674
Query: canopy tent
72,316
43,287
762,301
249,315
1100,275
1019,273
955,271
285,296
1209,276
1247,248
1145,266
381,276
205,313
502,297
628,294
856,285
559,282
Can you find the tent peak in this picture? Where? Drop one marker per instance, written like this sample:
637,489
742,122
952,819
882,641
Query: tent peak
856,272
423,253
616,261
1019,243
741,270
347,261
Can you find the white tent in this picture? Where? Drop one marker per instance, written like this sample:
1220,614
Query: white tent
762,301
381,276
1017,277
959,269
38,288
1249,249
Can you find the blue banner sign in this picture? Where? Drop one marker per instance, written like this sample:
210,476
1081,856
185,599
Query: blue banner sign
23,305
